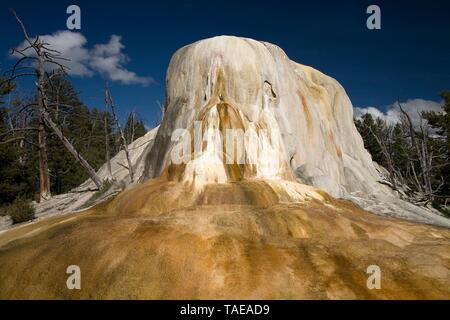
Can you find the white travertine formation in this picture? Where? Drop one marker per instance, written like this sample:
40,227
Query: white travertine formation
230,82
257,85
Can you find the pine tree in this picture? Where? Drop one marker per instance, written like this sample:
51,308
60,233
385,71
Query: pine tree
366,126
399,149
17,177
414,155
134,128
440,121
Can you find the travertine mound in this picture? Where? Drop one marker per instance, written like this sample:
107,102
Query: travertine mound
229,82
239,240
242,82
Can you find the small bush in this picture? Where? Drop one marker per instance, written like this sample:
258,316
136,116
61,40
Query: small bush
20,210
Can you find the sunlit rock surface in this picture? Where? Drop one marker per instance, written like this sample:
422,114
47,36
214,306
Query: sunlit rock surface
239,83
230,82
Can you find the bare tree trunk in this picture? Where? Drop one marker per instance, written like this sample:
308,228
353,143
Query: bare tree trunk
421,147
22,142
44,178
90,171
108,156
57,102
133,126
388,156
122,136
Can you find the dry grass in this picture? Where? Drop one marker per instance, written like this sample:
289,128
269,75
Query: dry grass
162,241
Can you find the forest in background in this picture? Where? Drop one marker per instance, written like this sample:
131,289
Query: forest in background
415,155
88,130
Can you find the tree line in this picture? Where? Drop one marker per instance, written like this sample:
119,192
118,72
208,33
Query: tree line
415,154
92,132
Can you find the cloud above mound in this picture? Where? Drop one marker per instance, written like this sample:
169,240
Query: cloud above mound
107,59
392,114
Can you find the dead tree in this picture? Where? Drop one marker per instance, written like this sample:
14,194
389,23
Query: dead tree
107,152
38,52
160,113
424,156
122,137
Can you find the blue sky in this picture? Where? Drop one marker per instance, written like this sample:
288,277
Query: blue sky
408,58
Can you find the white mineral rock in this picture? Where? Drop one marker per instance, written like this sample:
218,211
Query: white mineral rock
231,82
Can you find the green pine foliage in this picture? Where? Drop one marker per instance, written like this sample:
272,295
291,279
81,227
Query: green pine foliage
404,156
364,126
82,126
440,121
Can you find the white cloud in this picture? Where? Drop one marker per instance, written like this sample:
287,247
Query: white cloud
106,59
393,114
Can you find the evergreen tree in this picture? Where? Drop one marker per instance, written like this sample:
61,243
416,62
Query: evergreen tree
440,121
415,156
134,128
16,169
366,126
399,149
